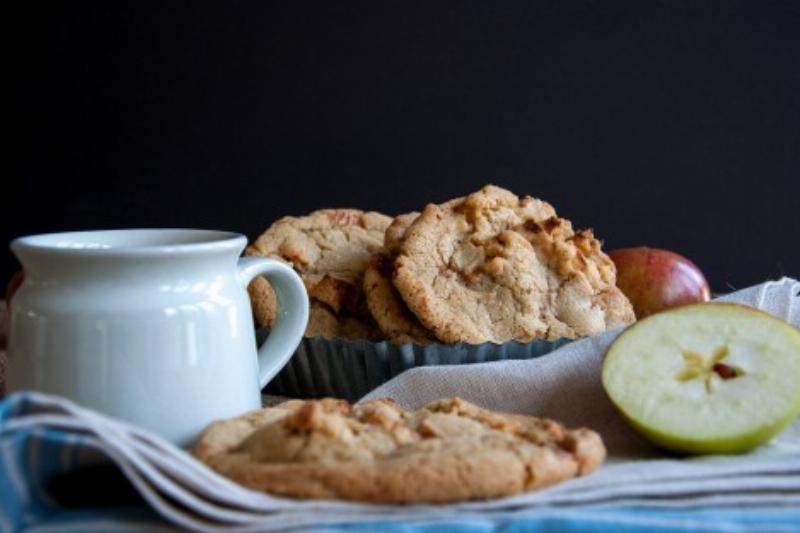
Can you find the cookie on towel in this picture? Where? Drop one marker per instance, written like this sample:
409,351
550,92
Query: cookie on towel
448,451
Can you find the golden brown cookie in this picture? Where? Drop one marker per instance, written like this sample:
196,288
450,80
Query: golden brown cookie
385,305
388,309
495,267
396,232
322,322
330,249
448,451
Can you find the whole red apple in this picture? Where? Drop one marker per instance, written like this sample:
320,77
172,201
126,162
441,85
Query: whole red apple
654,280
13,285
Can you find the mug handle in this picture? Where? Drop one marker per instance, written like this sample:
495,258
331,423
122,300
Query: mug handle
292,318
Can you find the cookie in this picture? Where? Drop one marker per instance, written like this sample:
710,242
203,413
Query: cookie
330,249
396,232
495,267
322,322
390,312
385,305
448,451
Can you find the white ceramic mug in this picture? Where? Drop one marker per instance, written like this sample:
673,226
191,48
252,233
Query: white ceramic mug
151,326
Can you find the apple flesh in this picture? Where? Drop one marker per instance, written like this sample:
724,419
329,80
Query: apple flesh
706,378
655,280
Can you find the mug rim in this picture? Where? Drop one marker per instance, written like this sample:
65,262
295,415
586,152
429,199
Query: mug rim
132,241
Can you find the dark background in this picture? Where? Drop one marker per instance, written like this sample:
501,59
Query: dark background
672,124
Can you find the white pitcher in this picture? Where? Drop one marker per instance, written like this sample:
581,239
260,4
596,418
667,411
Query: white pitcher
152,326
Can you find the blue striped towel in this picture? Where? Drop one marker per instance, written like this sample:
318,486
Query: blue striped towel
62,471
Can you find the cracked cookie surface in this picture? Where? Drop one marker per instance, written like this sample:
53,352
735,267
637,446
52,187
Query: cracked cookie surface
330,249
495,267
450,450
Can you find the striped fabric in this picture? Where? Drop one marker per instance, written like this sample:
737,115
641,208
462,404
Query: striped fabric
49,482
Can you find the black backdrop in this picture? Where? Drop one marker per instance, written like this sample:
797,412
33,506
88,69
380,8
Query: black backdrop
672,124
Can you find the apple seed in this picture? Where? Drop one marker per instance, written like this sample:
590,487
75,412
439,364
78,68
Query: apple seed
724,371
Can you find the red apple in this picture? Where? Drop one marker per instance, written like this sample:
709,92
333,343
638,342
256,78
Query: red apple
655,280
13,285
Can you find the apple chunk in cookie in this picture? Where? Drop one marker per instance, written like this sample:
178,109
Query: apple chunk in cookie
706,378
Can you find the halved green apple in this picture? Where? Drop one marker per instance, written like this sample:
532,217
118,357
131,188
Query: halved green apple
706,378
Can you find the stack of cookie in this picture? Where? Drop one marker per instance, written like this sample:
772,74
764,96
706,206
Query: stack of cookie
330,249
488,267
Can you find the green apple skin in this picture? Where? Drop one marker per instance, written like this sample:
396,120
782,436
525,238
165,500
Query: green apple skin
733,445
730,444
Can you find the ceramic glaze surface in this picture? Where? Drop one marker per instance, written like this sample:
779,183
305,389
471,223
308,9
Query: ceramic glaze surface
152,326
